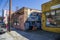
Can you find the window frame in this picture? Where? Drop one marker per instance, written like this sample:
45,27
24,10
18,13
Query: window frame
52,15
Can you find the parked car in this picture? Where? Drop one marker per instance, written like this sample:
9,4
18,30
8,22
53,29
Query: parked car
3,28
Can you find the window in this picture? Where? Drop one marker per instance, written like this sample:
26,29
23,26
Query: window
53,18
34,16
52,12
58,17
47,13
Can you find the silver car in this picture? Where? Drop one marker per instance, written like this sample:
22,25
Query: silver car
2,28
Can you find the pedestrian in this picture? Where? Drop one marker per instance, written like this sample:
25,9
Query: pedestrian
7,26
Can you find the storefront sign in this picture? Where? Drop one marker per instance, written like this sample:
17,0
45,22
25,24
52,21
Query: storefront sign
55,7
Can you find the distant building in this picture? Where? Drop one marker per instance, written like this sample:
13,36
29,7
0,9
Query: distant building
1,19
6,15
24,17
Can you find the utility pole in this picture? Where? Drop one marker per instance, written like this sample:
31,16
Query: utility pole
17,8
2,15
10,8
15,14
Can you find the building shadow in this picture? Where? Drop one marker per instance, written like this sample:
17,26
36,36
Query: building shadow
38,35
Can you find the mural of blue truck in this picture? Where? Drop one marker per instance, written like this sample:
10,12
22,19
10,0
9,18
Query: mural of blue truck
34,19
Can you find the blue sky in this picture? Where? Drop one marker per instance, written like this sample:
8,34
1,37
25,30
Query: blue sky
35,4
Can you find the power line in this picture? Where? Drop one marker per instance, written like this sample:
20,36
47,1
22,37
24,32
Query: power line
1,3
5,4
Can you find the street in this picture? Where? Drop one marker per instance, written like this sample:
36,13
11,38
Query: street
30,20
37,35
16,34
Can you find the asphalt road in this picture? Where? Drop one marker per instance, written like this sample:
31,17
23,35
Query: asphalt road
39,35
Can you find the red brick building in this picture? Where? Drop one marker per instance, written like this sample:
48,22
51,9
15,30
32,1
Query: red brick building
21,18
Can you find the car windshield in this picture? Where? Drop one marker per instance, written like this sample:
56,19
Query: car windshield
2,25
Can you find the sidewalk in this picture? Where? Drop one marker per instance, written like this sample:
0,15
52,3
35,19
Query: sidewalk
17,36
33,35
6,36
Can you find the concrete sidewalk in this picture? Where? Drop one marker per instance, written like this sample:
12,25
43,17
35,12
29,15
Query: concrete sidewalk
17,36
6,36
33,35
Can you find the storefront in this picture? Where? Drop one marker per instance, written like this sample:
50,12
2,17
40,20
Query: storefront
51,16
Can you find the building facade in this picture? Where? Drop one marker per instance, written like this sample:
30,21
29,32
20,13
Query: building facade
6,16
25,18
51,16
